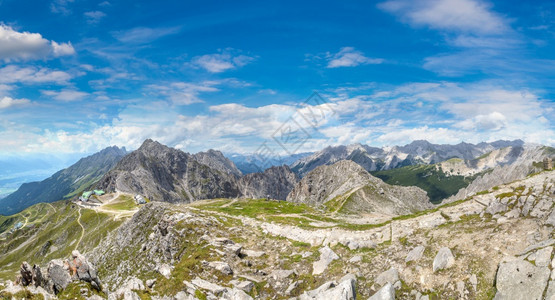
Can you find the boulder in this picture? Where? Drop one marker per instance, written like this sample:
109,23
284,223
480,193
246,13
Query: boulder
38,277
387,292
235,294
519,279
165,270
326,257
443,260
344,290
208,286
252,253
221,266
243,285
415,254
389,276
150,283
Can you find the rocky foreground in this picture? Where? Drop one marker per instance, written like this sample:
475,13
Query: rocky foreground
497,244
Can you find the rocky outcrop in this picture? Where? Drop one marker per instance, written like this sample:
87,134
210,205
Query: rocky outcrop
275,183
346,187
59,274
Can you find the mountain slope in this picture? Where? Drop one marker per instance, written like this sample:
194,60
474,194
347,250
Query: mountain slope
275,183
216,160
65,183
165,174
347,187
252,163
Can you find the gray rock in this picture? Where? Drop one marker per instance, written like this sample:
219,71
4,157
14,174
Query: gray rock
550,294
344,290
326,257
443,260
235,294
519,279
253,253
355,259
415,254
26,273
551,219
543,257
59,275
281,274
496,207
389,276
387,292
85,270
150,283
243,285
165,270
208,286
221,266
473,281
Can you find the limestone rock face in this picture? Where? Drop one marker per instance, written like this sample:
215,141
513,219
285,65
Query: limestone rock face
347,187
275,182
415,254
519,279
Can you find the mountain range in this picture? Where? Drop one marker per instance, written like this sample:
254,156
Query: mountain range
162,173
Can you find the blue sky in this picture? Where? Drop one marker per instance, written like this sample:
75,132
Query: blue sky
77,76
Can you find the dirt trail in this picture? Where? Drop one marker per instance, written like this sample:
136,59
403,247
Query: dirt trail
83,229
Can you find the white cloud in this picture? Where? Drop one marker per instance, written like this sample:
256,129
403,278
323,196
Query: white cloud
220,62
493,121
471,16
32,75
350,57
7,102
16,46
183,93
94,17
66,95
143,35
61,6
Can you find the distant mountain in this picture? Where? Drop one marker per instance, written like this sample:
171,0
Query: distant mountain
275,182
166,174
65,183
417,152
346,187
252,163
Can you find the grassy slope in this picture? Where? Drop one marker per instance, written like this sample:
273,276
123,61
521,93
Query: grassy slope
427,177
51,232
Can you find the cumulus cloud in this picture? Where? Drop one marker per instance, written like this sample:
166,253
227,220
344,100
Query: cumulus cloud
66,95
470,16
32,75
350,57
18,46
493,121
7,102
220,62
